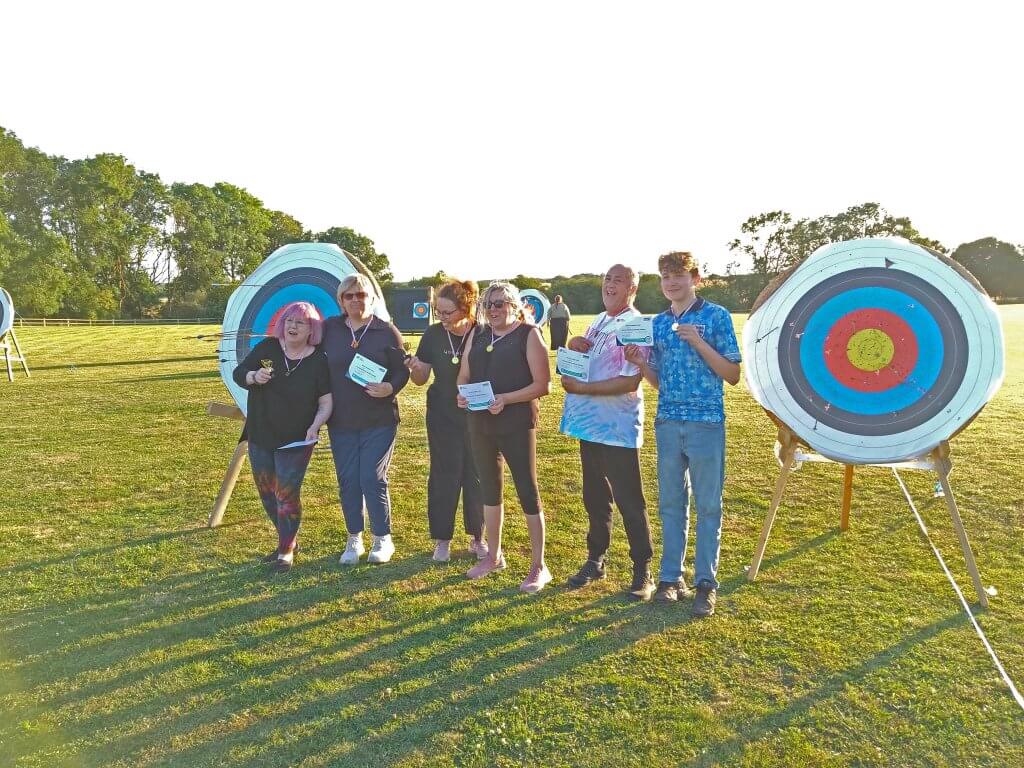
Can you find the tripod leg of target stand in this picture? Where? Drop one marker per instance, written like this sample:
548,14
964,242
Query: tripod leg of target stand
21,356
788,451
7,357
844,514
943,467
226,487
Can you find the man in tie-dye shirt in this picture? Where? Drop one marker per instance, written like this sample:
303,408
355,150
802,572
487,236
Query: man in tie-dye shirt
606,414
694,351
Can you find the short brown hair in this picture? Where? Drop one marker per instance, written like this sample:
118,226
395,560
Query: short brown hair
462,293
679,261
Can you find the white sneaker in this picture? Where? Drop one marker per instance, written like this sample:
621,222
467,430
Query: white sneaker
381,550
353,550
478,547
442,551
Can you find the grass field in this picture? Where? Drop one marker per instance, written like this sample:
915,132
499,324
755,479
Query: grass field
134,636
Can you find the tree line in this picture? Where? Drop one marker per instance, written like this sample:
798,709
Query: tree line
99,238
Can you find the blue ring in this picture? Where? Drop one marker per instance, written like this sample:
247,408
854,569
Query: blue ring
314,294
930,351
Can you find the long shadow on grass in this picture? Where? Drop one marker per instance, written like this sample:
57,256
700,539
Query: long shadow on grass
119,363
214,374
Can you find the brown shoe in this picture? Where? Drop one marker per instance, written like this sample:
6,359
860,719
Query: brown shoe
704,602
667,592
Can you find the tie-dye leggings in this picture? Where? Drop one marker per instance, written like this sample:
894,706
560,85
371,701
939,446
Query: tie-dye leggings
278,475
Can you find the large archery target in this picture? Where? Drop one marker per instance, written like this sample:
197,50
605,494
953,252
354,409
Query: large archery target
298,272
537,302
874,351
6,312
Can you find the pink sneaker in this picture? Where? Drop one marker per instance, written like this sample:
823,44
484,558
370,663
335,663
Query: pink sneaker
536,581
486,567
478,547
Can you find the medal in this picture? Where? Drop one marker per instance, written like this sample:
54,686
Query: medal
675,326
354,344
455,359
355,341
489,347
451,346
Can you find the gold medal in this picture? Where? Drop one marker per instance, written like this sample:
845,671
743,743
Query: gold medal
490,347
455,359
354,344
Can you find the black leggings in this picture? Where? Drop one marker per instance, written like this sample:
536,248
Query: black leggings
519,450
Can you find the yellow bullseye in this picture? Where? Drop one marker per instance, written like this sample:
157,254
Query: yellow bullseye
870,349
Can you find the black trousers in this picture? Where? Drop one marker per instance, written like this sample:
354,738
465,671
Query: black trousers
519,450
452,473
559,332
613,473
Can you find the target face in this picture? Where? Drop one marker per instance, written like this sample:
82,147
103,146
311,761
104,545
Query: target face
420,310
298,272
535,305
874,351
6,312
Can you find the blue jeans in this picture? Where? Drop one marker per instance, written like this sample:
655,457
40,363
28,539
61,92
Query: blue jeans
691,450
361,460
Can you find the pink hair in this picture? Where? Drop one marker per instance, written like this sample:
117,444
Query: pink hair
301,309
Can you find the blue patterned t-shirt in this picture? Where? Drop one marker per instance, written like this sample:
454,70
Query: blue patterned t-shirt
688,390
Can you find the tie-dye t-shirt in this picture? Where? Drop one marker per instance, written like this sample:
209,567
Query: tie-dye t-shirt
608,419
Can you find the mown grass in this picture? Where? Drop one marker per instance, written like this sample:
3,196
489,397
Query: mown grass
134,636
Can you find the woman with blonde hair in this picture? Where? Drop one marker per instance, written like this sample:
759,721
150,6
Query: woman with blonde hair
452,471
509,354
364,424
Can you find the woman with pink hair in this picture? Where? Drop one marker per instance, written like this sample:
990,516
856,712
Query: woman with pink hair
289,400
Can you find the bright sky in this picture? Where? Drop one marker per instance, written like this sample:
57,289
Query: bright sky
490,139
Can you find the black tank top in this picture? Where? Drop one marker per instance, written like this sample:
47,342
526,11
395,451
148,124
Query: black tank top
508,370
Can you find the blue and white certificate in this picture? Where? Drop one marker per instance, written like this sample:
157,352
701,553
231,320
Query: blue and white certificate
638,330
572,363
364,371
479,395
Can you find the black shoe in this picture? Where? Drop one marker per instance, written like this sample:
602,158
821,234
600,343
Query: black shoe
667,592
643,585
592,570
272,557
704,602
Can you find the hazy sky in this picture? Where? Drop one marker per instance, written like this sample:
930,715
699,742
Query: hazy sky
545,138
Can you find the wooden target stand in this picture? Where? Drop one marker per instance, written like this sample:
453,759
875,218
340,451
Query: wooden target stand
8,342
227,485
791,451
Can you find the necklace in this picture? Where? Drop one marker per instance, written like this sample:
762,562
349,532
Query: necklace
495,340
289,368
355,341
675,319
451,344
607,319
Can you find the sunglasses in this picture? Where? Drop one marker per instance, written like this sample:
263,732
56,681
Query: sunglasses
361,295
497,304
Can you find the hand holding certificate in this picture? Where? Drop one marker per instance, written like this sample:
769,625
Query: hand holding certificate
574,364
364,371
638,330
479,395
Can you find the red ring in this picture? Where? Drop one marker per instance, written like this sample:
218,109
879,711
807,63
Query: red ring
904,355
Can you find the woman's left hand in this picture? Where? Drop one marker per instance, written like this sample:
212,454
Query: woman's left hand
382,389
498,405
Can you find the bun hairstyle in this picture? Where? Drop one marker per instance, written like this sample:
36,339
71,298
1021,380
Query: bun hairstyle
464,294
510,293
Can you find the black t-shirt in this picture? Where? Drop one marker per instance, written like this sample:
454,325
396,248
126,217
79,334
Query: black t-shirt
437,350
280,411
508,370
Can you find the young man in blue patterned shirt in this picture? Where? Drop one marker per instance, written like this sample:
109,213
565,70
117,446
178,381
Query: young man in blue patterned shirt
694,350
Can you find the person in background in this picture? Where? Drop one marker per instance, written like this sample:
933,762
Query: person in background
606,414
510,355
289,400
364,424
558,319
694,351
452,471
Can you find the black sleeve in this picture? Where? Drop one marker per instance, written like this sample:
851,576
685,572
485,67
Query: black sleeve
251,363
425,350
398,374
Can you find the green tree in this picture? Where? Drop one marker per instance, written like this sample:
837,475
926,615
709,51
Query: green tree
359,246
284,230
998,266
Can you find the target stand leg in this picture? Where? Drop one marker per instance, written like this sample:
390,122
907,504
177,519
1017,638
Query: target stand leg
226,487
943,466
787,455
844,515
21,356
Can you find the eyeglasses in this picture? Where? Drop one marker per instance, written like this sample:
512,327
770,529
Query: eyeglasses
497,304
361,295
444,315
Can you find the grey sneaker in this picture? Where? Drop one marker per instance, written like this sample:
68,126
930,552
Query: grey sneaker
704,602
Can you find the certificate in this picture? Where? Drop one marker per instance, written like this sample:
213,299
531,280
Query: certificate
364,371
297,444
479,395
638,330
574,364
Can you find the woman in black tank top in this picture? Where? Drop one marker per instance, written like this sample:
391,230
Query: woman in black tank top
510,355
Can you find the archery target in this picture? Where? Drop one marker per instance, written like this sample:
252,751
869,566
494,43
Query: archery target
874,351
298,272
420,310
6,312
536,304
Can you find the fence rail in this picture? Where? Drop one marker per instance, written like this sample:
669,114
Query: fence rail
67,322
